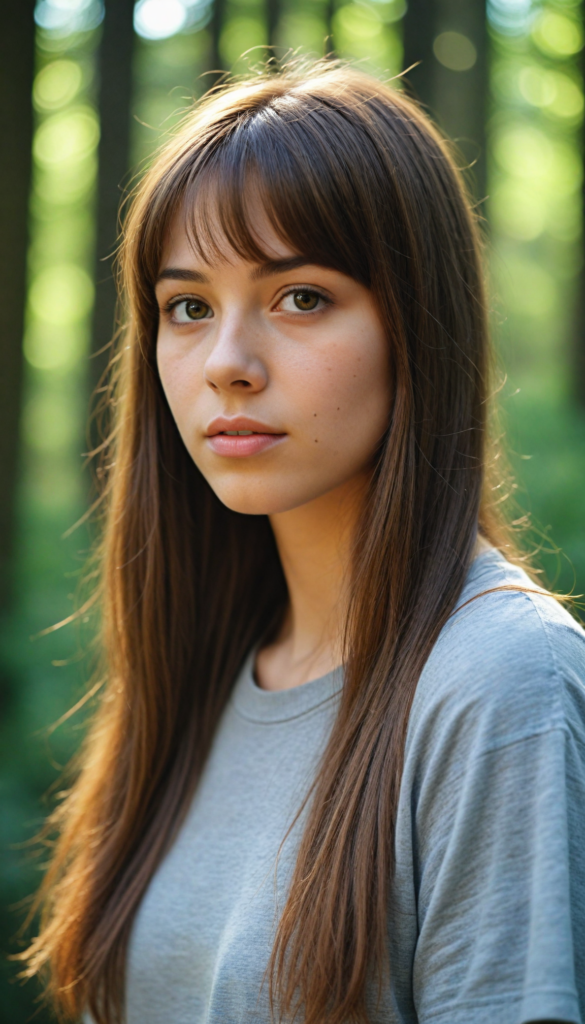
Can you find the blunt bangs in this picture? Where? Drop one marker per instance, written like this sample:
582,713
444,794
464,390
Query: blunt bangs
295,159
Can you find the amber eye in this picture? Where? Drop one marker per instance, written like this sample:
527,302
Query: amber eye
191,309
306,300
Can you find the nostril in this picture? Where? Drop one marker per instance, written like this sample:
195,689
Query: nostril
243,383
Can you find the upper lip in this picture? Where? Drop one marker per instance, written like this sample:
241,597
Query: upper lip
223,423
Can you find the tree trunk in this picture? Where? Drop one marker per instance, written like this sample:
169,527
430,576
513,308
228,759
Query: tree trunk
114,102
329,43
455,87
419,31
17,53
272,8
217,23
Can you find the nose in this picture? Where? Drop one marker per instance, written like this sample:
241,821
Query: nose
234,364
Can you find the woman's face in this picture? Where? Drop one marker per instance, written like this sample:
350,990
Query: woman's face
277,374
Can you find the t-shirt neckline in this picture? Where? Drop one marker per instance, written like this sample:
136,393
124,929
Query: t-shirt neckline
260,705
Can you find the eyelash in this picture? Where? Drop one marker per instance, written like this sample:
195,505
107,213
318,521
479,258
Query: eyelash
311,290
173,303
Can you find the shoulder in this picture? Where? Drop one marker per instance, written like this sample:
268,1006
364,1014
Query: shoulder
508,664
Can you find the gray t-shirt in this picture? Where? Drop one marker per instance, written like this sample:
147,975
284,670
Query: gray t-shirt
487,919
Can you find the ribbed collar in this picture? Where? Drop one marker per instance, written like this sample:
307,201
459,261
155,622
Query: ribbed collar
281,705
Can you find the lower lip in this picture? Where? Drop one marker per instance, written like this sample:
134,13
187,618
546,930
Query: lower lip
239,446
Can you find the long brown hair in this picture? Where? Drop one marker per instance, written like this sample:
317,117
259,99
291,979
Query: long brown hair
353,175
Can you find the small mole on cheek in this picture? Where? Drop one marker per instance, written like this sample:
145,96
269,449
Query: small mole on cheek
314,414
316,441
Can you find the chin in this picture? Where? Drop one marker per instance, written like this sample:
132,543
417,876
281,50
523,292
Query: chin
247,506
257,498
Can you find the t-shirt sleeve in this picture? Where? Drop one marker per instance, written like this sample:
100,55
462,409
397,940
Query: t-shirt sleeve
500,848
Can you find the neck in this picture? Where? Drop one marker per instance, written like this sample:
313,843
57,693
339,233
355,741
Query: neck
315,544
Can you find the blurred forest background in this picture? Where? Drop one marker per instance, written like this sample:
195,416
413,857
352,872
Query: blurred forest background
87,92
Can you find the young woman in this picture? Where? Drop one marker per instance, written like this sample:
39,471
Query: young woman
338,769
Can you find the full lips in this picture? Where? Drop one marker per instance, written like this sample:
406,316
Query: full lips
238,446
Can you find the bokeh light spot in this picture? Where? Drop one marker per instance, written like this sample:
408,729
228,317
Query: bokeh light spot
392,11
66,137
567,103
455,51
517,212
64,185
537,86
523,152
47,347
61,295
556,35
57,84
62,17
357,22
558,94
511,17
159,19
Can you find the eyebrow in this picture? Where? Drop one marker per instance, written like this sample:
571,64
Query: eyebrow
181,274
267,269
271,267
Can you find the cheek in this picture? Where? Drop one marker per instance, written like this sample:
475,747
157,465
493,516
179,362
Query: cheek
351,390
179,376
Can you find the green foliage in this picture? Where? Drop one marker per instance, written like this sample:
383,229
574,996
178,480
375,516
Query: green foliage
41,676
535,215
